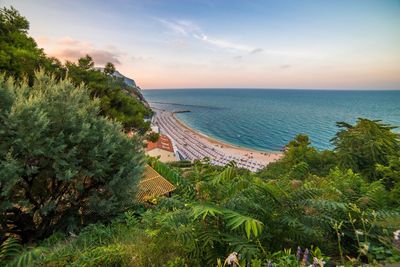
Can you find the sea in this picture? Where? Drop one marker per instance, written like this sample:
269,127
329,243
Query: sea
267,120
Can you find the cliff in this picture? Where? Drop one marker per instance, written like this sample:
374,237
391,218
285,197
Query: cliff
131,87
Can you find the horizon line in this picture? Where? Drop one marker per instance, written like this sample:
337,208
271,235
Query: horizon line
263,88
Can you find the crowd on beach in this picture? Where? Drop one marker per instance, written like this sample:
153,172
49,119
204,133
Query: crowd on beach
190,146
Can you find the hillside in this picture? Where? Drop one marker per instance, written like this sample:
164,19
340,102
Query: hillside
21,58
74,190
131,87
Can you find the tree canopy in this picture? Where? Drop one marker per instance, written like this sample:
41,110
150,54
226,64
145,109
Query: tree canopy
20,57
116,100
61,165
19,53
361,147
109,69
68,179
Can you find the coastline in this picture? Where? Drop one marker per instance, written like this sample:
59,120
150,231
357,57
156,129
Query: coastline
245,154
219,141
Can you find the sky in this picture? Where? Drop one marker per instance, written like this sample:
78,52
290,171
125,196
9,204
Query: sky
309,44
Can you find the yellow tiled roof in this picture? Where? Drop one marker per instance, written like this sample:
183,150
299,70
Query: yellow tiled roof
153,185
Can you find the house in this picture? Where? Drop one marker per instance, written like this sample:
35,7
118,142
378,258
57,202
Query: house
153,185
163,148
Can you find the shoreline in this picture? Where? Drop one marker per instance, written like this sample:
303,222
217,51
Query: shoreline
233,152
221,142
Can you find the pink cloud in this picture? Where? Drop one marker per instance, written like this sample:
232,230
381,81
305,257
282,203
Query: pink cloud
69,41
100,57
71,49
42,40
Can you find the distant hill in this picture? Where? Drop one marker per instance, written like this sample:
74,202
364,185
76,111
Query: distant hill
132,88
128,81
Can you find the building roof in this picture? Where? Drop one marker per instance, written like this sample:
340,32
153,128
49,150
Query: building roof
163,143
153,185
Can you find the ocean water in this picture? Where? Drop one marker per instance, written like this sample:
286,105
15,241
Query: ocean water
268,119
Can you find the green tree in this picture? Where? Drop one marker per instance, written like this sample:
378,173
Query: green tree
19,54
299,149
109,69
61,165
20,57
86,62
153,137
361,147
300,159
115,100
391,178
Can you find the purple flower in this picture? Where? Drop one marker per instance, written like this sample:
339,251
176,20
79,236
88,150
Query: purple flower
270,264
315,263
298,254
306,256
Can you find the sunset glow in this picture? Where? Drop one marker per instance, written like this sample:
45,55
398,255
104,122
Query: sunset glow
232,44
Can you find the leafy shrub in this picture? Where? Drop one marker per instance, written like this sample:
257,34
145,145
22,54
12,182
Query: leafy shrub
111,255
61,165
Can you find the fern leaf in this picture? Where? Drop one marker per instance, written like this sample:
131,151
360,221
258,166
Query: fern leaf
251,225
9,249
204,210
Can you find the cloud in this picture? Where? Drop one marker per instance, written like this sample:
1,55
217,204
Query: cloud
134,58
186,29
102,57
71,49
141,58
42,40
69,41
182,27
256,50
222,43
189,29
285,66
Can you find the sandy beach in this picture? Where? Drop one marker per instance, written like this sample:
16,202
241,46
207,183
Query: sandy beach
194,145
266,157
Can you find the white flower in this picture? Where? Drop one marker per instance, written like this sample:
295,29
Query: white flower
396,235
358,232
317,262
232,259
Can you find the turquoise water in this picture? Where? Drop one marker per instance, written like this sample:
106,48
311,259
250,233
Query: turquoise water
268,119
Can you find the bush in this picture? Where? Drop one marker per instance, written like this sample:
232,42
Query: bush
111,255
61,165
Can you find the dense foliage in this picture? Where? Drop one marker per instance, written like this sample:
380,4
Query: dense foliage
19,53
117,100
305,209
61,165
20,57
363,146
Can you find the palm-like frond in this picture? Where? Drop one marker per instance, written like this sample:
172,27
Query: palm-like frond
184,187
251,226
169,173
210,245
27,258
246,248
9,249
227,174
204,210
